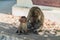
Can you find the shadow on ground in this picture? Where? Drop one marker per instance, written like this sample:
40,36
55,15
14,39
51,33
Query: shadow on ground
10,30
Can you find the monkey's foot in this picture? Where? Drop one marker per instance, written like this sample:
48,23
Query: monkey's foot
17,31
40,30
26,33
35,32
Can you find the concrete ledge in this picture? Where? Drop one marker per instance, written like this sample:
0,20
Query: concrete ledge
20,11
25,3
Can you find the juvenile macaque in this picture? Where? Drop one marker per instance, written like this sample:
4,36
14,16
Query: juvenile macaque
35,19
23,25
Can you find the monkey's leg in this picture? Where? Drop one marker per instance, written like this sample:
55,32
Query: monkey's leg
29,26
25,30
40,29
19,30
37,28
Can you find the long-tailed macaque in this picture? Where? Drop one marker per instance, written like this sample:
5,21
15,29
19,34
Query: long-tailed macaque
23,25
35,19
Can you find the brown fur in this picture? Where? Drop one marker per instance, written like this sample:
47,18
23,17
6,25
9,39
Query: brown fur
32,17
23,24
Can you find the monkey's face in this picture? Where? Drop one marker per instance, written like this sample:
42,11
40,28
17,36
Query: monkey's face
23,20
36,12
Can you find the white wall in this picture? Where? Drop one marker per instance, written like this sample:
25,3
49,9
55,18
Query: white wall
51,13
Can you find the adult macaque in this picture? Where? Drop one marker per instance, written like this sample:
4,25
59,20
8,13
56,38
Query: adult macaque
35,19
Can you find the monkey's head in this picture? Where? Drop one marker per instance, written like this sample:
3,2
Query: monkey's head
35,11
23,19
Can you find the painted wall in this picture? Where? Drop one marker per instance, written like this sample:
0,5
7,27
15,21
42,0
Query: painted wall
55,3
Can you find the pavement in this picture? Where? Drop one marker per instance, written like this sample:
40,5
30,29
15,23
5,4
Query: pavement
8,28
9,23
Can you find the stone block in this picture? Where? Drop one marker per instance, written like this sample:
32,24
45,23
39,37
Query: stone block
20,11
25,3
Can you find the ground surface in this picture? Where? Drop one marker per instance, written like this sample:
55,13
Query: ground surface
9,23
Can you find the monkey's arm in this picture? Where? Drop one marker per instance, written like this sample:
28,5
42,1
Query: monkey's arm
29,16
41,21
